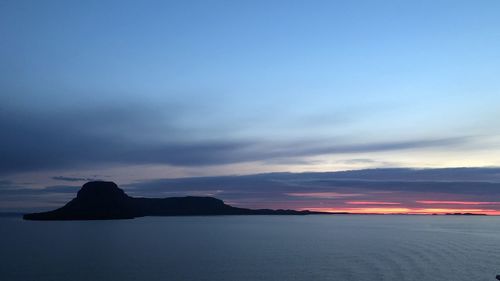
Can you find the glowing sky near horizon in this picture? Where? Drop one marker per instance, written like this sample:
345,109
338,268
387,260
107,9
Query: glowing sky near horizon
443,207
135,91
407,211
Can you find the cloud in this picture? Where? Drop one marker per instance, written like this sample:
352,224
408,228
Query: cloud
4,183
70,189
323,195
374,186
71,179
462,180
359,161
456,202
129,134
371,203
23,190
366,162
318,149
408,188
63,135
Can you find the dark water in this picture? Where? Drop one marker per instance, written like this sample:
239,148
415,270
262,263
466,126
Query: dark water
253,248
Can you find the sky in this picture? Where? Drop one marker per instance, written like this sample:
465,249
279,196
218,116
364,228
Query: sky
144,92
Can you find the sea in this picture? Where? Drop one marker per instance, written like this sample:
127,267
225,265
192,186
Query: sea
239,248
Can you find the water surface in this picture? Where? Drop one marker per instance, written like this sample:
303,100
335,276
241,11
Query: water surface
240,248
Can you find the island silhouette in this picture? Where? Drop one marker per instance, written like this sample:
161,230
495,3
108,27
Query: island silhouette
104,200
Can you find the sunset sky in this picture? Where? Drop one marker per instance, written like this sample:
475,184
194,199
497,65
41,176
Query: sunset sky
167,97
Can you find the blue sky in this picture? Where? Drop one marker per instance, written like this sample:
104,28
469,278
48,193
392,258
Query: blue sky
140,90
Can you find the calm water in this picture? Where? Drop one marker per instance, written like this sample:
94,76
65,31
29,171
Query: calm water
242,248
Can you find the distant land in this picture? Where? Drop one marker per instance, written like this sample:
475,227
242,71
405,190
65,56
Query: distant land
102,200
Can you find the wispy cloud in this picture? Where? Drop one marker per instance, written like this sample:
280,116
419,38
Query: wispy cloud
71,179
121,134
6,184
371,203
323,195
456,202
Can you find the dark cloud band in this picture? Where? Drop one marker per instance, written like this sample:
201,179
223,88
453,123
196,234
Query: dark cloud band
145,134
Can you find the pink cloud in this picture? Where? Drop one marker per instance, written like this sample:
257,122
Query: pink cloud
404,210
456,202
371,203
